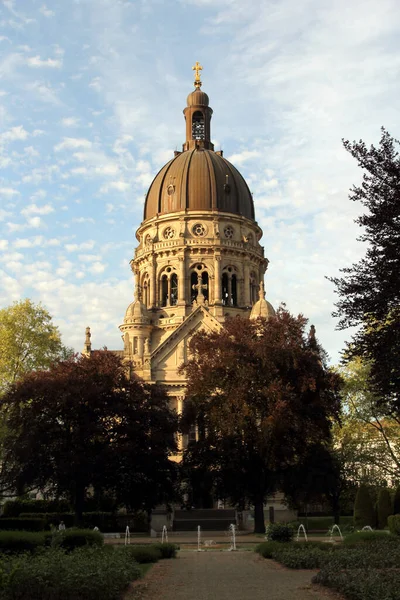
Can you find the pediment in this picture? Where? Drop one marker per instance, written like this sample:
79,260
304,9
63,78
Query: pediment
177,342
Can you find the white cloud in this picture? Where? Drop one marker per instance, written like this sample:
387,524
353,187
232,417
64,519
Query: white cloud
82,246
3,244
69,143
39,210
36,61
14,134
83,220
119,186
70,121
8,192
46,11
96,268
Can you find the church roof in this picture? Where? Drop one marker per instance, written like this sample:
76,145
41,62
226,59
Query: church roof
198,179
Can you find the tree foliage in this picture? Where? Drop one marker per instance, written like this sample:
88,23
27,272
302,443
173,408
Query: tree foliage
371,436
383,507
260,395
364,511
28,341
369,291
83,423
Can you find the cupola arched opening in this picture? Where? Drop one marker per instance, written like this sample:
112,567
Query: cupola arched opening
198,126
168,287
199,282
229,286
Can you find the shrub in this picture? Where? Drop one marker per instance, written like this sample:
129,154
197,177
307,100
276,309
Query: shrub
266,549
364,513
143,554
13,508
362,537
22,524
396,502
394,524
384,507
84,574
166,550
75,538
279,532
361,584
20,541
300,558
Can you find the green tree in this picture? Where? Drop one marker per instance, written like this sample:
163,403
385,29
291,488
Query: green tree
369,291
371,433
28,341
83,423
383,507
260,395
364,511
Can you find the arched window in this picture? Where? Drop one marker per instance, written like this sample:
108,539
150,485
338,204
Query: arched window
164,290
234,291
198,128
225,289
168,287
174,290
254,287
199,279
229,287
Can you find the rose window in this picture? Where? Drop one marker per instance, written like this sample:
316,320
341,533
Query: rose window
169,233
199,230
228,231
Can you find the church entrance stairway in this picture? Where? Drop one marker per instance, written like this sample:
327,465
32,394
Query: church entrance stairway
208,519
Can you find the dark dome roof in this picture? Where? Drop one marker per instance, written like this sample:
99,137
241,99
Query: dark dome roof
199,180
197,98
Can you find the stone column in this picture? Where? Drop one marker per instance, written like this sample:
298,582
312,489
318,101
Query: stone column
182,280
153,286
140,345
246,283
217,282
169,290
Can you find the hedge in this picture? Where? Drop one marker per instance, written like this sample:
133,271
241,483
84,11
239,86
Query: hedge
75,538
166,550
364,511
13,508
12,542
394,524
143,554
22,524
84,574
105,521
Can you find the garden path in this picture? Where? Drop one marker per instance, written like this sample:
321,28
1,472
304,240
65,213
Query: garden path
227,576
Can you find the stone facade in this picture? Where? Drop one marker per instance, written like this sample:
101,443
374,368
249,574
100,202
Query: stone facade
198,259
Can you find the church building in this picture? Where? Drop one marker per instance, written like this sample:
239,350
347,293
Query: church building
198,259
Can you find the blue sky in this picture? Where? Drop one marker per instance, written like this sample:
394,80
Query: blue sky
91,100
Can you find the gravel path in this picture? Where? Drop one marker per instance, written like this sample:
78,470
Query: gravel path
227,576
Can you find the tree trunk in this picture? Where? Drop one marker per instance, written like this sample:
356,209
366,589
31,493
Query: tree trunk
78,504
336,509
259,524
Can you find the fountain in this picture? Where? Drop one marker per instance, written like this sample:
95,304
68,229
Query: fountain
303,529
199,549
367,528
164,535
127,536
232,531
332,530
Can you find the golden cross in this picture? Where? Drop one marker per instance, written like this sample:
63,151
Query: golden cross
197,67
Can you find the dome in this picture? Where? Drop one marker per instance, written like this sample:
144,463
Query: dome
136,313
262,308
199,180
197,98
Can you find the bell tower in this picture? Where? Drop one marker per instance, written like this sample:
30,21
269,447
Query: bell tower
198,116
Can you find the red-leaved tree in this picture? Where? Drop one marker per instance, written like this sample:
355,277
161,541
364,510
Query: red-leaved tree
83,423
260,395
